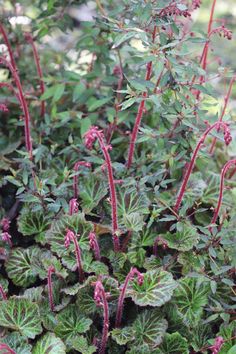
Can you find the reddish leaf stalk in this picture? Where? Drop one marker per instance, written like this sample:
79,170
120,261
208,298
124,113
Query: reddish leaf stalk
120,305
7,43
23,103
70,236
201,141
4,346
2,293
224,109
51,270
222,179
90,137
93,243
30,40
140,111
100,297
75,178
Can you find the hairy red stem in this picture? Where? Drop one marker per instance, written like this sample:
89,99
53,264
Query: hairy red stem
93,243
224,109
120,305
51,270
222,179
70,236
140,111
2,292
7,43
24,105
100,298
90,137
29,38
4,346
194,156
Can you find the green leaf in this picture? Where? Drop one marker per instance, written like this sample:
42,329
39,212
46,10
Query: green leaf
49,344
33,223
21,315
121,38
17,343
19,265
98,103
156,290
71,323
58,92
56,234
80,343
123,335
173,344
183,240
232,350
91,192
190,299
149,328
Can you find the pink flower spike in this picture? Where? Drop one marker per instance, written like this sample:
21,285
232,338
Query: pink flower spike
201,141
93,243
75,178
51,270
224,170
215,348
3,108
129,277
100,298
92,134
70,237
5,223
73,206
6,237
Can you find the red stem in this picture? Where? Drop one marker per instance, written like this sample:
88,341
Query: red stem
222,178
101,299
4,346
29,38
192,162
24,105
130,276
2,292
224,110
5,37
78,257
112,192
140,111
75,178
51,270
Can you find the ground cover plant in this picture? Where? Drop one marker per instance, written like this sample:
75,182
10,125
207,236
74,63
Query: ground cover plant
117,179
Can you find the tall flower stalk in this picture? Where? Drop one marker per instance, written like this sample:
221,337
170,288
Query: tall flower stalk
30,40
77,165
7,43
141,109
90,137
11,65
70,237
2,293
51,270
227,138
121,299
224,170
23,103
227,97
100,297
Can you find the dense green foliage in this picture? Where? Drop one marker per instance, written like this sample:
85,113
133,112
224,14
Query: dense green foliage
132,56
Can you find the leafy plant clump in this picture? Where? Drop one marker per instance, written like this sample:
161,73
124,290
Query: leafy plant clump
117,179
